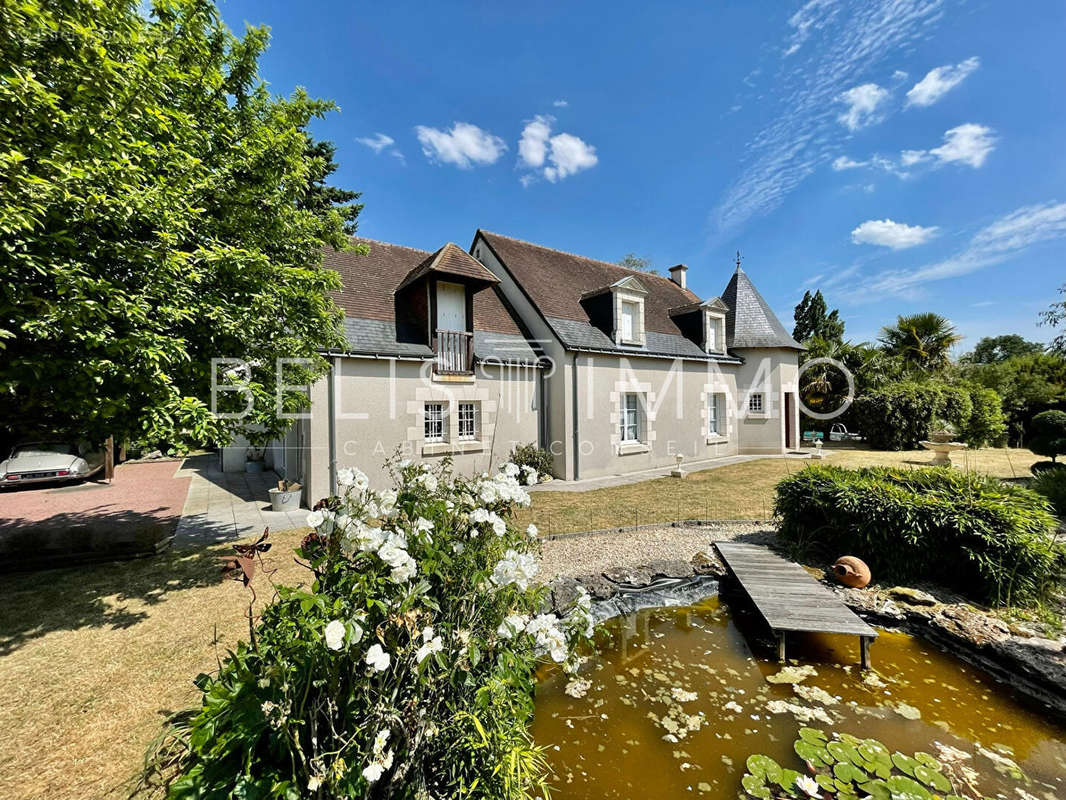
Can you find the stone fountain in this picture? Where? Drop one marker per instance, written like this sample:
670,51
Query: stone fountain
942,447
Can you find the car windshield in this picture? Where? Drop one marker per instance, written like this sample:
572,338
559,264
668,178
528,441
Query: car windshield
44,449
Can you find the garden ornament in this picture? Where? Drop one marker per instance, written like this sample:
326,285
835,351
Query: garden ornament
852,572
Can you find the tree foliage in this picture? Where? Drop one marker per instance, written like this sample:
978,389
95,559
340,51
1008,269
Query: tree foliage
159,208
813,319
1027,384
1049,434
923,341
633,261
994,349
1056,316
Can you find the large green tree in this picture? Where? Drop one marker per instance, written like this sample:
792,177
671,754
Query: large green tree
1056,316
159,208
1028,385
994,349
923,341
814,320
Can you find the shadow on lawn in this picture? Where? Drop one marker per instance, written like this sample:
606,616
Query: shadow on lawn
93,594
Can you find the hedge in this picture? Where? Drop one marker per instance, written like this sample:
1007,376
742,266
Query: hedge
900,415
991,541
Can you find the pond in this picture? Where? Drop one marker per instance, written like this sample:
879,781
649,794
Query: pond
675,704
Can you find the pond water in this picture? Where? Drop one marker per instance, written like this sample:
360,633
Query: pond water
610,742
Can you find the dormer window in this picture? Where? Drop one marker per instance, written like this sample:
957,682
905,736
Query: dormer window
714,332
630,323
618,310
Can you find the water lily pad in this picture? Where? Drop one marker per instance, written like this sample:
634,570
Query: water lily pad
927,760
846,771
904,788
878,790
813,735
847,738
787,779
755,787
764,767
826,782
905,763
812,753
932,778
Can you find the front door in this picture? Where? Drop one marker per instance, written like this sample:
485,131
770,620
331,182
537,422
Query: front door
790,436
451,306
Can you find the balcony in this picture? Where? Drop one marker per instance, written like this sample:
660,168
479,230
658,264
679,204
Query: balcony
455,353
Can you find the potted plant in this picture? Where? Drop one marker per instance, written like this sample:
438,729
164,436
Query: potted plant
942,431
253,460
285,496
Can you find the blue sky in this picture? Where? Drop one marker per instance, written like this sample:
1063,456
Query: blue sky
901,155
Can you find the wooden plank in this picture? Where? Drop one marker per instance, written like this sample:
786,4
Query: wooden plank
787,597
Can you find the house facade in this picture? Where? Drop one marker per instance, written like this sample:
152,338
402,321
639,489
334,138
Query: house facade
465,354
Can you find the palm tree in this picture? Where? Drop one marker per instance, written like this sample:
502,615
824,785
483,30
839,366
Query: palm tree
921,340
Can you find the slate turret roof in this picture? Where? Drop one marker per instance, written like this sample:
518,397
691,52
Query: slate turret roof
749,321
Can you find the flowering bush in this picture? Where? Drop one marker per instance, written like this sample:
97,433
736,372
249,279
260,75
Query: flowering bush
406,670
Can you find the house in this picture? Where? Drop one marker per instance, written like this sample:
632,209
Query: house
463,354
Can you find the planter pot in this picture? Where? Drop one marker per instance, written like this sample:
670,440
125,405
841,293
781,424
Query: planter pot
253,466
284,501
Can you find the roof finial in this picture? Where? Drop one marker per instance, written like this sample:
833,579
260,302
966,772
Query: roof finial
738,260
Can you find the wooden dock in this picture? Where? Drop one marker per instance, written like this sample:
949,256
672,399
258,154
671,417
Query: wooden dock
789,599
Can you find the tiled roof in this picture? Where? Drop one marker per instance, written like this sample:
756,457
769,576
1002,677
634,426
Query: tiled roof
370,282
749,322
378,337
450,260
556,282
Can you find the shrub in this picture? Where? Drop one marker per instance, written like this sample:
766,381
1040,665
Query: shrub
529,455
900,415
405,671
991,541
1049,434
987,424
1051,483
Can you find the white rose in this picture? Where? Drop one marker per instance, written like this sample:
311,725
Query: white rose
532,531
372,772
335,632
315,518
377,659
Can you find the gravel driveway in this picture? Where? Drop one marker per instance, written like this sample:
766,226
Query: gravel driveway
584,555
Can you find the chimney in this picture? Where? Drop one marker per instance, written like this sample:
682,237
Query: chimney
677,274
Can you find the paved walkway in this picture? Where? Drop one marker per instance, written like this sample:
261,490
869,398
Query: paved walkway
588,484
223,506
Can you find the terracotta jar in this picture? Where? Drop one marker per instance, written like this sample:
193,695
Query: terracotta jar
852,572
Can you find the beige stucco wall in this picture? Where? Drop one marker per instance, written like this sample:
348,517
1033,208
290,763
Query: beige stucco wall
775,373
379,411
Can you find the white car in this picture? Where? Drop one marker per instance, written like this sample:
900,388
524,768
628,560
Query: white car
40,462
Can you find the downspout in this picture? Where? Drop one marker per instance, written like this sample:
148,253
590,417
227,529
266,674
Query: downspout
577,432
332,388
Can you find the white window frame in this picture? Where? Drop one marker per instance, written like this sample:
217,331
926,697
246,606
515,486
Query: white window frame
629,311
715,414
714,325
469,416
757,403
630,418
435,425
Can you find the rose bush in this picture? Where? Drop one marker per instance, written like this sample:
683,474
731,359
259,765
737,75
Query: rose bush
405,671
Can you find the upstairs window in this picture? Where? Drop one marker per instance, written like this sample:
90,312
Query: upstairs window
468,421
628,322
631,418
435,420
715,336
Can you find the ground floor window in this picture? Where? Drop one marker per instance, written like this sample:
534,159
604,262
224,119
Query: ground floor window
435,420
631,418
715,414
468,421
755,403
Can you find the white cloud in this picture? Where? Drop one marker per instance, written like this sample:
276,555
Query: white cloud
465,145
862,102
968,144
900,75
804,124
1004,239
886,233
533,146
381,143
552,157
940,81
843,163
560,103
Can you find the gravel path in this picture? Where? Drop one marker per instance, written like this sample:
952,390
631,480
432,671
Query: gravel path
584,555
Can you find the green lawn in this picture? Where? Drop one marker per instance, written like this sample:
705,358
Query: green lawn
738,491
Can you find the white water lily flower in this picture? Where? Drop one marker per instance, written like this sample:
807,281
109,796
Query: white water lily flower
335,632
377,659
808,785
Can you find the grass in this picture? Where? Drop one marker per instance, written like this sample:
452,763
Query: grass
93,659
738,491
